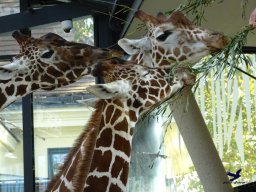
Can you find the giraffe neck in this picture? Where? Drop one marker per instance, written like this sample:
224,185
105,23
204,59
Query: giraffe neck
111,155
15,84
13,89
78,162
111,159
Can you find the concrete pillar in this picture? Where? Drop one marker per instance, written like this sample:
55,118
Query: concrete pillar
199,143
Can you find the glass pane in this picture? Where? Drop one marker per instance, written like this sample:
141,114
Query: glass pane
11,149
160,160
58,119
8,45
82,31
8,7
59,116
229,108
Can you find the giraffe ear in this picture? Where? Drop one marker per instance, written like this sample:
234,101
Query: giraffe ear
6,74
115,89
135,46
7,71
91,102
10,66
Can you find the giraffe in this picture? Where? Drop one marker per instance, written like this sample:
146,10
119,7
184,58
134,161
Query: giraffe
46,63
171,40
130,91
189,44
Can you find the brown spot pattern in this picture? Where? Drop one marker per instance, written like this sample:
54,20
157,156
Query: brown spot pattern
21,89
133,116
9,90
176,52
101,161
105,139
114,188
96,184
120,165
122,144
122,126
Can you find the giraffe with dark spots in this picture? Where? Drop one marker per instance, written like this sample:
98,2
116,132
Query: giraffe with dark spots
170,40
46,63
121,106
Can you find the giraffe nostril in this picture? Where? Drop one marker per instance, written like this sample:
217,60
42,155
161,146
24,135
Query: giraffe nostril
215,33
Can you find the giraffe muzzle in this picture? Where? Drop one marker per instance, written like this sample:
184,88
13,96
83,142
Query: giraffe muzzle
216,42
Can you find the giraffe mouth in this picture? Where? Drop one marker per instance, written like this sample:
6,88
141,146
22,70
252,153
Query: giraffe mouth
217,43
214,50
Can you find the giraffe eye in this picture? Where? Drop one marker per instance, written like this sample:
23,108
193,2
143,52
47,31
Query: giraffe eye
164,36
47,54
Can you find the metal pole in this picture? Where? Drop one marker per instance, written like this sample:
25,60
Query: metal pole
28,143
28,126
199,143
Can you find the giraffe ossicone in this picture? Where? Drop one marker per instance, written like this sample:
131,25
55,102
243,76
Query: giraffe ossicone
47,63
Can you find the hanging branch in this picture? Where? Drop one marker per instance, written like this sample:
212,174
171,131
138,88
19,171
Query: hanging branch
196,8
244,5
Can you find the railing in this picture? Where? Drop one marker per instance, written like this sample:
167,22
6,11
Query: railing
18,185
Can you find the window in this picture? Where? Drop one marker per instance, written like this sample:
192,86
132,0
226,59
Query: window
11,148
59,115
56,157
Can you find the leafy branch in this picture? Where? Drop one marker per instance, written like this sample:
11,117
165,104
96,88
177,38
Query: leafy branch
243,5
197,8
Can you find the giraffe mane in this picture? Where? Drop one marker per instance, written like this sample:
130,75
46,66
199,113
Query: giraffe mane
90,134
51,37
85,163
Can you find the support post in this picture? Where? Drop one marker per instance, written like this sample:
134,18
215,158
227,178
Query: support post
28,143
199,143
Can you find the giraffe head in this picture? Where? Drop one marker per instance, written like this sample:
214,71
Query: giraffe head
46,63
50,61
138,87
172,39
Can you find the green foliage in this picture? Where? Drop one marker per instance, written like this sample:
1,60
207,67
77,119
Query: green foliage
84,30
197,8
231,157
